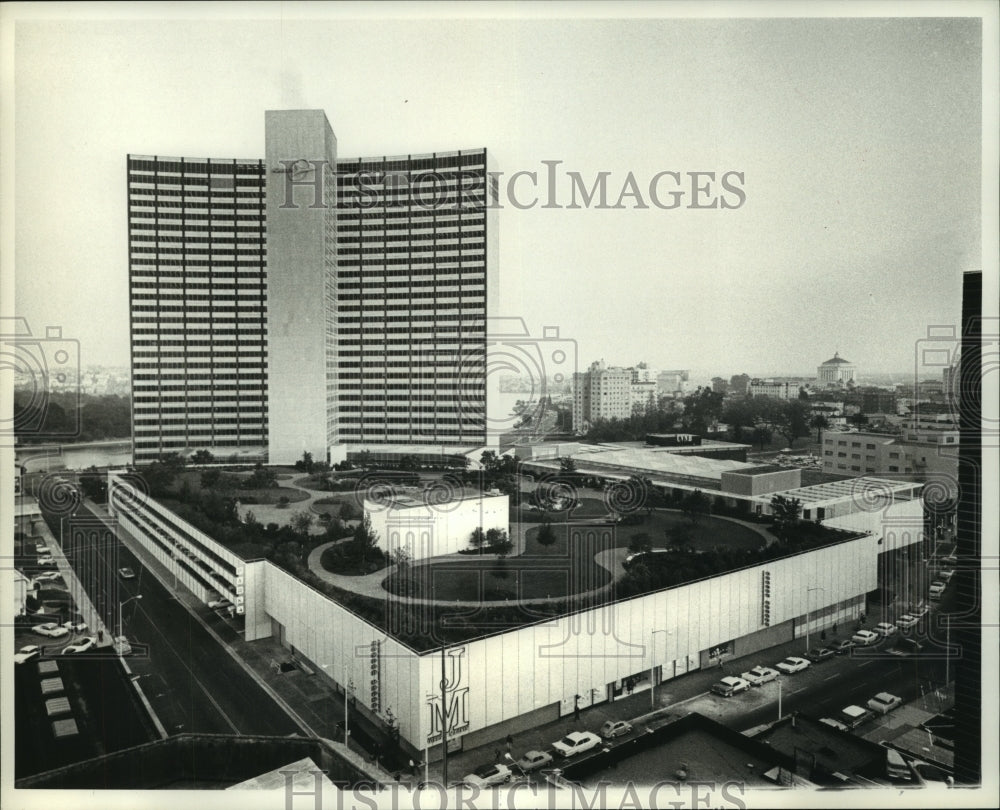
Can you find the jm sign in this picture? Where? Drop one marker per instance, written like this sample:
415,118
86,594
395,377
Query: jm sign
449,707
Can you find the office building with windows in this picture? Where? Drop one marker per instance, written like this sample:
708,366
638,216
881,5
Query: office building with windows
304,304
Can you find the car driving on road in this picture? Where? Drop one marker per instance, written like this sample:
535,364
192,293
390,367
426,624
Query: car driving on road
792,664
576,742
126,573
760,675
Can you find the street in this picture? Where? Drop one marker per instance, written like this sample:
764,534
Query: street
192,683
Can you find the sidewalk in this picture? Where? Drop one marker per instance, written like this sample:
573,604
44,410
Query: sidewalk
310,700
638,708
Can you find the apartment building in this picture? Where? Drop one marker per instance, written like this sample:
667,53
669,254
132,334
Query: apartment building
301,303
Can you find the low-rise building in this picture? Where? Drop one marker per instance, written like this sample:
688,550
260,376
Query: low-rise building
858,453
426,527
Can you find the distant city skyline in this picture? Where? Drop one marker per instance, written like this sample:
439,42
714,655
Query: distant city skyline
858,205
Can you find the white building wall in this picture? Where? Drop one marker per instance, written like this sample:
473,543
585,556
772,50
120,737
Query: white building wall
898,525
513,673
338,642
433,530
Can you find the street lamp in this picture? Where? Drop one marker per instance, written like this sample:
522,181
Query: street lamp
809,591
348,690
652,667
121,625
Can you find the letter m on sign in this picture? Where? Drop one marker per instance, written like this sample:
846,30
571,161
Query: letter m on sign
456,716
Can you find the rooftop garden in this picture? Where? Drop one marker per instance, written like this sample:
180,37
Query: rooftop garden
556,572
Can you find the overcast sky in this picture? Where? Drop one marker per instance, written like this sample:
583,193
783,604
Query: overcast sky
859,142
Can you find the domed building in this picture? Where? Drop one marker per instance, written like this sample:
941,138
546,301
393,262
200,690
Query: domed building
836,371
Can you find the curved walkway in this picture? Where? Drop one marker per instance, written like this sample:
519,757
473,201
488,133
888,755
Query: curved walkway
611,560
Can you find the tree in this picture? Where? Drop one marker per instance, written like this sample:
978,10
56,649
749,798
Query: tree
567,465
695,504
793,420
640,542
305,464
365,540
283,502
210,479
498,541
301,522
365,459
678,535
762,434
546,534
203,457
261,478
478,538
489,460
401,557
94,485
821,423
348,511
786,513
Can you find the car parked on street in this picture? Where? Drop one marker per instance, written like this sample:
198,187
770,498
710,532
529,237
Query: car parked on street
883,703
84,644
48,576
615,728
487,775
758,676
216,604
50,629
946,575
730,686
25,654
865,638
792,664
576,742
885,629
854,716
126,573
829,721
75,627
47,562
533,760
817,654
920,610
936,589
841,645
906,621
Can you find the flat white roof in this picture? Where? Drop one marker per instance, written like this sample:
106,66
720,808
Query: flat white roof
661,459
860,489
